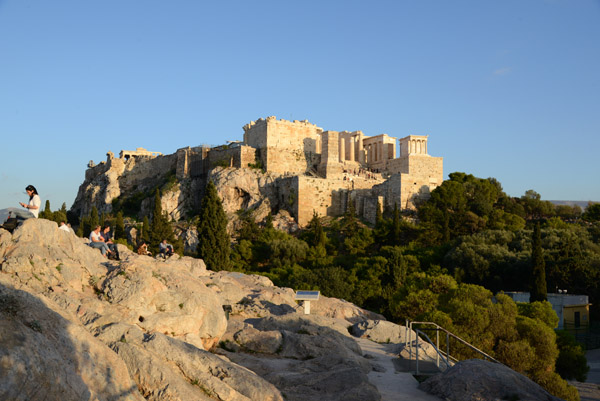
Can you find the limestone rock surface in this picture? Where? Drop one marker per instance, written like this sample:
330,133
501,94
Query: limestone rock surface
479,380
75,325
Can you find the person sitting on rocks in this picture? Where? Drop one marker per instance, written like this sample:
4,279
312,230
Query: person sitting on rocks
165,249
143,250
33,206
107,236
64,227
96,241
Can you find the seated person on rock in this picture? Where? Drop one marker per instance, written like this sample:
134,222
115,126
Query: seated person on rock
96,241
165,249
33,206
143,250
107,236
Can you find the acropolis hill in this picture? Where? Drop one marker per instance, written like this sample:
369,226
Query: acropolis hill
284,167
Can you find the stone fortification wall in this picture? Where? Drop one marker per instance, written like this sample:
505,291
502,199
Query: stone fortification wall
117,176
328,197
423,174
190,162
236,156
143,173
284,146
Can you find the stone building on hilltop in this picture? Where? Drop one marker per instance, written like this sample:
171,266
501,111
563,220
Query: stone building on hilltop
299,168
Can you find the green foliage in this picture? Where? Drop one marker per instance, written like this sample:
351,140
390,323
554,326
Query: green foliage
592,212
145,234
94,219
465,205
131,205
160,228
540,310
214,243
56,216
119,226
538,291
571,363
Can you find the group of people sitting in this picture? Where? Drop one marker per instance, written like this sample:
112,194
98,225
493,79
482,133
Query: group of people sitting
101,238
164,249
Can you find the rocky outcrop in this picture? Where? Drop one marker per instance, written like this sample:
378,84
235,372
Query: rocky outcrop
476,379
74,325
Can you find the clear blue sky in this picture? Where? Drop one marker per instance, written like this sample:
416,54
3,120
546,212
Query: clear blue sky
504,89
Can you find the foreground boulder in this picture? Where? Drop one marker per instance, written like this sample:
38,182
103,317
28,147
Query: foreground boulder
44,356
478,380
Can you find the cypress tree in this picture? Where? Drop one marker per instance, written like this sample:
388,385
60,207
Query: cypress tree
145,236
63,208
93,221
119,226
317,235
46,213
160,229
538,291
214,244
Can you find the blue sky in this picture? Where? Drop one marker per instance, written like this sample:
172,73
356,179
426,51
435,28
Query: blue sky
504,89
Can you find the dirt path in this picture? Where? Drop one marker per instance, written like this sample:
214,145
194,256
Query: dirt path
392,385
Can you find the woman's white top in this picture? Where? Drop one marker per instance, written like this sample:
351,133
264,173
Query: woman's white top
35,201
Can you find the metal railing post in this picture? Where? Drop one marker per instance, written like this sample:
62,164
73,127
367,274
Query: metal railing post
437,345
417,353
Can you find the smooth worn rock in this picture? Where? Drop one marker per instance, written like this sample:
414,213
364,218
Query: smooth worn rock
381,331
44,356
479,380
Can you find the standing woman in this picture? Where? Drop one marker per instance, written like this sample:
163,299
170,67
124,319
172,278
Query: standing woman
33,207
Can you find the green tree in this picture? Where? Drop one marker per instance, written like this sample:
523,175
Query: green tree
538,290
571,363
214,243
46,213
315,235
145,235
94,219
160,228
592,212
119,226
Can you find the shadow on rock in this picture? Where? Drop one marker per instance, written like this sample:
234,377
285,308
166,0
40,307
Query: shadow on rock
46,357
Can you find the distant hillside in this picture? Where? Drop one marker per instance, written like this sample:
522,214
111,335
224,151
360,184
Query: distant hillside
581,204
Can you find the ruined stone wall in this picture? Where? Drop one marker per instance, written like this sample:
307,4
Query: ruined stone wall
328,197
109,180
414,177
237,156
190,162
284,146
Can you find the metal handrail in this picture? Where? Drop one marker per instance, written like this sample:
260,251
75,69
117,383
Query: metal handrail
409,329
434,347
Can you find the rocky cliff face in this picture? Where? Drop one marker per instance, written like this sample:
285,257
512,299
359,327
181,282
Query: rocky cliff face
131,185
